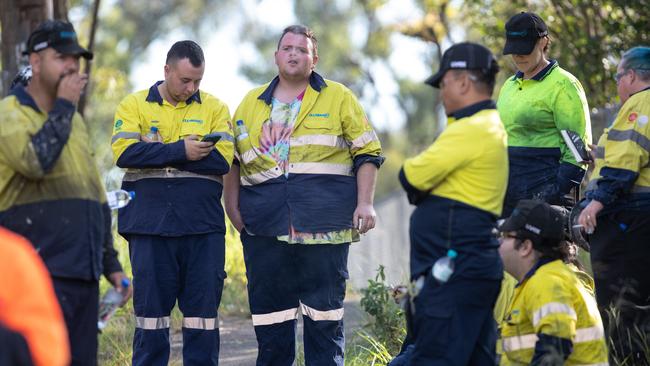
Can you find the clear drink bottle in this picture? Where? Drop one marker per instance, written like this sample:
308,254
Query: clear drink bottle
119,198
444,266
153,134
109,303
241,130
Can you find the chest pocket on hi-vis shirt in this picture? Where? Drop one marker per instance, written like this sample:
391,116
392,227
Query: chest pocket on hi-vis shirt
194,126
321,121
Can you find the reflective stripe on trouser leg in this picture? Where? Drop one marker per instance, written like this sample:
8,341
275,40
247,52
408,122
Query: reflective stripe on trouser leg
202,263
323,271
272,293
155,286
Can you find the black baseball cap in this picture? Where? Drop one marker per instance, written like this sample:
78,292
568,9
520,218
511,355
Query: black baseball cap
522,32
464,56
535,218
59,35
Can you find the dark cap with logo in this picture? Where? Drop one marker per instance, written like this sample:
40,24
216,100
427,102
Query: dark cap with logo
464,56
58,35
522,32
536,218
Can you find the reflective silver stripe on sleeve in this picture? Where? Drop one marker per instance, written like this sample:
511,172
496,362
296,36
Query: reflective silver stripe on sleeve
553,308
363,140
151,323
516,343
316,315
133,175
526,341
250,155
320,168
201,323
325,140
631,135
276,317
261,177
589,334
224,136
125,135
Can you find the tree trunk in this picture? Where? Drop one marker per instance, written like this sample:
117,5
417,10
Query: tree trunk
18,18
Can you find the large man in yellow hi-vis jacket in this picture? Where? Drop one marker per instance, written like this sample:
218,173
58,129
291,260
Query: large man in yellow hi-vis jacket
301,190
553,318
619,195
175,226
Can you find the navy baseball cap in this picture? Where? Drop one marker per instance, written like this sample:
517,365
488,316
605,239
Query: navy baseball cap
464,56
535,218
522,32
59,35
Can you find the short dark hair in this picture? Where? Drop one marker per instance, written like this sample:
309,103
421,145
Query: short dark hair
186,49
303,30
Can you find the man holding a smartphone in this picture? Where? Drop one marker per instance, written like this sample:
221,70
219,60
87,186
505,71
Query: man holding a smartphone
175,227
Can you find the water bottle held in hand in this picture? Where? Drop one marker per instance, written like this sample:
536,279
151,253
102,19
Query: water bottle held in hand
119,198
444,267
109,303
153,134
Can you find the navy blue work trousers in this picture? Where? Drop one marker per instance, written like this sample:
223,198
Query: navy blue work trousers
286,280
189,269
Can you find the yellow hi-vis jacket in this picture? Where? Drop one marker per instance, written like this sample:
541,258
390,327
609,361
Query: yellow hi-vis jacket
622,169
556,300
174,196
331,138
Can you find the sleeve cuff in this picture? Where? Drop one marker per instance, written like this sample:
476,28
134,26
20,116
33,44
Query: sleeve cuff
363,159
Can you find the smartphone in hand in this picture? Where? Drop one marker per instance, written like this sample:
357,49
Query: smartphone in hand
212,137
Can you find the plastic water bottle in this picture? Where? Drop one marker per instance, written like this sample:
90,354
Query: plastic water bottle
119,198
109,303
444,267
241,130
153,134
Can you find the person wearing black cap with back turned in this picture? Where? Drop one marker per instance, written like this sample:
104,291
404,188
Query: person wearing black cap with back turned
535,104
458,185
51,191
553,318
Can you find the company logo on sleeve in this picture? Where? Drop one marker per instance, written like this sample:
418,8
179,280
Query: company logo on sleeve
118,124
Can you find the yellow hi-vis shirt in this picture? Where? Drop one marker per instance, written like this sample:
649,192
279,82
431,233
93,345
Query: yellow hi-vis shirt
557,300
467,163
626,145
204,114
331,137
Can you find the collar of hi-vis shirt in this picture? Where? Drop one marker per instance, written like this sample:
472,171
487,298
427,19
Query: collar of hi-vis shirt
540,75
471,110
315,81
24,98
155,97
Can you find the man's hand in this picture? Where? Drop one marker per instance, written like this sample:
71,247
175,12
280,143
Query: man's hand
115,279
364,217
70,86
195,149
588,216
159,138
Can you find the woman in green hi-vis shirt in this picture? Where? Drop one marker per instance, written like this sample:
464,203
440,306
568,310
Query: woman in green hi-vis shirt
535,104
